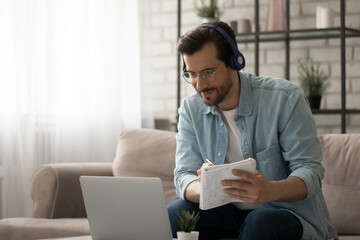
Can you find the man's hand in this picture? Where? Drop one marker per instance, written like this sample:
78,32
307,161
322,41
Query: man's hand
255,188
199,170
252,188
192,192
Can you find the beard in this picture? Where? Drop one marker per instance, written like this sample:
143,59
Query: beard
222,91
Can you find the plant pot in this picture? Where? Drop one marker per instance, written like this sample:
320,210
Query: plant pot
315,102
193,235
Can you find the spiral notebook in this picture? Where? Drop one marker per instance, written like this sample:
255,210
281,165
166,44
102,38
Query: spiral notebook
211,192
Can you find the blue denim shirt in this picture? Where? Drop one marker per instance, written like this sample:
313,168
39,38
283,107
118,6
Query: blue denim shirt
277,130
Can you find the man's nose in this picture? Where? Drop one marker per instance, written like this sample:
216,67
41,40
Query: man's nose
200,82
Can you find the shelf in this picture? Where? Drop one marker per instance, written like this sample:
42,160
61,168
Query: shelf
335,111
293,35
341,33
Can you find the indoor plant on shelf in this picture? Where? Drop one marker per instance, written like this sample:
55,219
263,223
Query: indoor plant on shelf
313,80
187,222
208,12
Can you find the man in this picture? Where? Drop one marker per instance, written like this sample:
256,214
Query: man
236,115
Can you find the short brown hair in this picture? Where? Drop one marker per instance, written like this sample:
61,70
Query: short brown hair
195,39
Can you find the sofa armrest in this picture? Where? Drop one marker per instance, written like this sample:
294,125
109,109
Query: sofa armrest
55,188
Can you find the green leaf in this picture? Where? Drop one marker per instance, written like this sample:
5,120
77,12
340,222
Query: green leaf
313,79
187,220
209,10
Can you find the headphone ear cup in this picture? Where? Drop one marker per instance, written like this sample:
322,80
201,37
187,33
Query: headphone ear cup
237,61
240,60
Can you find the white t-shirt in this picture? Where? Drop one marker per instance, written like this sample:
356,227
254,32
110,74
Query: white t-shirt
234,153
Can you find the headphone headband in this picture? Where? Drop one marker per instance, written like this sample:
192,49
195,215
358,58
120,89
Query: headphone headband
237,60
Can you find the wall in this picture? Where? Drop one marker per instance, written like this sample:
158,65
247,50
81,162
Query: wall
163,24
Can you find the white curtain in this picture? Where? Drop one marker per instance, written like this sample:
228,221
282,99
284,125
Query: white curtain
69,84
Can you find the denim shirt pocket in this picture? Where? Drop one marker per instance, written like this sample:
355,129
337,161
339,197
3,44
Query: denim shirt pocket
271,163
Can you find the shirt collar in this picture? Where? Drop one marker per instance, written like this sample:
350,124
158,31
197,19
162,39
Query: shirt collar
245,104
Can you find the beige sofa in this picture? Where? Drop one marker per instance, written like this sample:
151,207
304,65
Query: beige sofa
58,209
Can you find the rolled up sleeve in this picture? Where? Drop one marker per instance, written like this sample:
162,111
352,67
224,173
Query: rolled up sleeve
300,144
188,157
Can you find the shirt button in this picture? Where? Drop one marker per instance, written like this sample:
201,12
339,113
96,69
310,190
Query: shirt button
219,154
221,124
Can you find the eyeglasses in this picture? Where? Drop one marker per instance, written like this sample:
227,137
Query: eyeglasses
208,75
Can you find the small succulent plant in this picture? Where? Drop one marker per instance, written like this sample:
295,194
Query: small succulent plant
187,220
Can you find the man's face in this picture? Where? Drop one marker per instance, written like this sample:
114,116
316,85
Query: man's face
212,92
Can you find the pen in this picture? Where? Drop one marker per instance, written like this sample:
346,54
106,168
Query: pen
209,161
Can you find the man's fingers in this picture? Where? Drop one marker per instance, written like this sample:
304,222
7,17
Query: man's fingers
242,174
207,164
238,184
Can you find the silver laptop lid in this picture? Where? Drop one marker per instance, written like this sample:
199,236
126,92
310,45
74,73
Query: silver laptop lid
125,208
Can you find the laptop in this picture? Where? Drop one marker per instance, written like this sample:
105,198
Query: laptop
125,208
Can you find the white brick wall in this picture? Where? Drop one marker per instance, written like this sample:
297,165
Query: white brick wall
163,58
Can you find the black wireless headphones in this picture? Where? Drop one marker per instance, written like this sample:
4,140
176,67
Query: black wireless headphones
237,60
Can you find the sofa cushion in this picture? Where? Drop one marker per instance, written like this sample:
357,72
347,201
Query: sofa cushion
341,183
147,153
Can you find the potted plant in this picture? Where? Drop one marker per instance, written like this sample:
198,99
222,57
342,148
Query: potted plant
187,222
208,13
313,80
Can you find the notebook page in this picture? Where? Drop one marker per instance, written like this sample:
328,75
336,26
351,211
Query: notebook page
211,192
